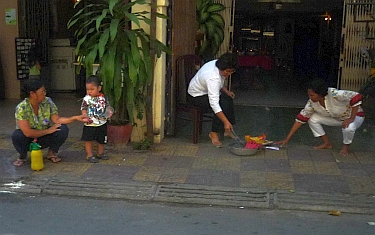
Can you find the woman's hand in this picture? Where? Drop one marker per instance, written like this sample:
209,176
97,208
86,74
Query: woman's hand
230,94
228,127
54,128
82,118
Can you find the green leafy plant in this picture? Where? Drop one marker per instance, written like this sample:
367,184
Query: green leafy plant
110,34
210,34
144,144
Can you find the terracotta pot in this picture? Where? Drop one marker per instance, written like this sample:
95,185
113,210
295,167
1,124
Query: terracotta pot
119,134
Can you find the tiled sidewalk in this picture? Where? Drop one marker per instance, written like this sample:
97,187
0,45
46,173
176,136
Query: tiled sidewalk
295,168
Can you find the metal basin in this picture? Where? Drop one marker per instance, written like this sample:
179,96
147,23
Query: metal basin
239,150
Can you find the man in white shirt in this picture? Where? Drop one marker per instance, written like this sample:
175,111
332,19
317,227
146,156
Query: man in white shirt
207,91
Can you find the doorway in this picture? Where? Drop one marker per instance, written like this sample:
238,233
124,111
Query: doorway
298,45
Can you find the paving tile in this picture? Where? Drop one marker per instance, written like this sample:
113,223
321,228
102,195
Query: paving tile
186,150
7,170
298,153
365,157
281,181
76,145
228,163
156,161
349,158
205,163
302,167
324,155
250,164
208,150
224,178
109,173
276,154
320,183
6,144
180,162
174,175
200,172
148,173
253,179
361,184
114,159
50,170
277,165
351,169
8,153
133,161
370,169
327,168
162,149
72,156
71,169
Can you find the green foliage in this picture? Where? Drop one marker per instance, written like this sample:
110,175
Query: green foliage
211,26
105,36
144,144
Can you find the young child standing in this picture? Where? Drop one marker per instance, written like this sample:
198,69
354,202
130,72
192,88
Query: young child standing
95,105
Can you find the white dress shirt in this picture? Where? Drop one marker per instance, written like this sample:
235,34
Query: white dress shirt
208,81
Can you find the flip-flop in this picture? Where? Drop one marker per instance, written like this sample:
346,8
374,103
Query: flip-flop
217,144
54,159
19,162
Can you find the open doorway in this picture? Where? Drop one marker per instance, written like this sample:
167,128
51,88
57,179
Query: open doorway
281,50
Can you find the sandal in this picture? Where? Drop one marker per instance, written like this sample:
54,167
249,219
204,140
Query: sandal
19,162
103,157
92,159
54,159
215,141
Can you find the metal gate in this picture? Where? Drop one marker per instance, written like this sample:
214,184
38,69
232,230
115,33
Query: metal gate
358,33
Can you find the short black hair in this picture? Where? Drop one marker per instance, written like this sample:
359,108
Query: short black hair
227,61
319,86
95,79
31,85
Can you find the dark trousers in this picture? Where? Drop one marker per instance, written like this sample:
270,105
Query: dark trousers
54,141
226,104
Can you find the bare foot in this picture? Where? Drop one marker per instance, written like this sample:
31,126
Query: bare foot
324,146
344,150
215,139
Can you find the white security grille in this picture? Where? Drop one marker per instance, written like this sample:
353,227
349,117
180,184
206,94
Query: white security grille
358,32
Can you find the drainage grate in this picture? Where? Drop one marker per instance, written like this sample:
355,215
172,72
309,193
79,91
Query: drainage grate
206,195
326,202
129,191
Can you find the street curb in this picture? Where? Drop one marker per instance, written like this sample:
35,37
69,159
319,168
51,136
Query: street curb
243,198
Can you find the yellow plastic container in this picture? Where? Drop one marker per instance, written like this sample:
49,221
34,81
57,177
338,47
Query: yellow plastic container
36,156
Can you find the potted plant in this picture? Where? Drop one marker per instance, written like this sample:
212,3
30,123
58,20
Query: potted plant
210,33
110,34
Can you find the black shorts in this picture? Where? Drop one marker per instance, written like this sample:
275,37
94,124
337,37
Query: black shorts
98,133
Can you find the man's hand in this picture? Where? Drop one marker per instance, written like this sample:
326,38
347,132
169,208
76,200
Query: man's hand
347,122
